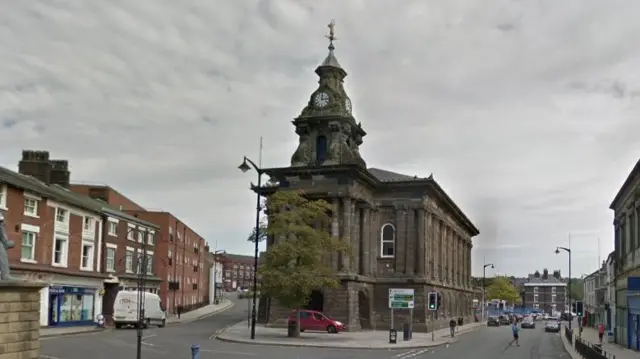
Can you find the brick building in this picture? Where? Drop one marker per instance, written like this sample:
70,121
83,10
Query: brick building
60,238
237,271
548,295
185,253
179,252
404,231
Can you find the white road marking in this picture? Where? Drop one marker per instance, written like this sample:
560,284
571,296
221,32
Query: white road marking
148,336
410,354
226,352
42,356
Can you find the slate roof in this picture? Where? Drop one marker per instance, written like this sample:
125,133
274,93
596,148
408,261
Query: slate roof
237,257
63,195
388,176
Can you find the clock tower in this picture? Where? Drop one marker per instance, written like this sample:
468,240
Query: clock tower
327,131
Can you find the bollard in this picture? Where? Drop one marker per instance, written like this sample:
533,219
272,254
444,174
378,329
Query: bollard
195,351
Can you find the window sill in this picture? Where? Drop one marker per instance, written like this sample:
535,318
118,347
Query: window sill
86,269
112,234
111,270
128,271
386,257
4,207
59,265
25,260
30,215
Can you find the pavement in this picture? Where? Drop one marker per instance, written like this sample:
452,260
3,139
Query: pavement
591,335
175,341
184,318
240,333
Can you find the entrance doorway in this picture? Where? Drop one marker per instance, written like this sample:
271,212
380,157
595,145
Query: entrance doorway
364,310
316,301
54,308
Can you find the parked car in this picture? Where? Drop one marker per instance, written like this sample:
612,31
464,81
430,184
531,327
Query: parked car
528,323
504,320
493,322
317,321
552,326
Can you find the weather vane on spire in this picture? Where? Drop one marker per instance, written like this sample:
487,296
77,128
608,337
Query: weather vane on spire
331,35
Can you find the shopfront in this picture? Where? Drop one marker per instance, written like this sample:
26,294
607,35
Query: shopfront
71,306
633,307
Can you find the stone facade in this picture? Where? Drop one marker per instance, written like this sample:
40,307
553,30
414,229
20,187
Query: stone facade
19,320
403,231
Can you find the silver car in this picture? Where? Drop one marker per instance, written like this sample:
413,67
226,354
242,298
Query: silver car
552,326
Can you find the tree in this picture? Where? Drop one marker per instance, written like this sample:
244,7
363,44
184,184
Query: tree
502,288
263,232
296,264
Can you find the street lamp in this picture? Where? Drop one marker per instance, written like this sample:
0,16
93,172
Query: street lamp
568,250
484,291
244,167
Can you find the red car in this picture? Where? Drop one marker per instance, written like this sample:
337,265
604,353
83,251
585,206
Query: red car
313,320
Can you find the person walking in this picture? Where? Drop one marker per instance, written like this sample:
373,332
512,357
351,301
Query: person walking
600,332
452,327
515,330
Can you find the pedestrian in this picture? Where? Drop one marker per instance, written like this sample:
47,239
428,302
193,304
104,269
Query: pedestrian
600,332
452,327
179,311
515,330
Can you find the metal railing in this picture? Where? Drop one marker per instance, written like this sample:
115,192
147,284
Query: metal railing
568,333
591,351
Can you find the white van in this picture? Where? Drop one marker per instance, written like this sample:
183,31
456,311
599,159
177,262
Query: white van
125,309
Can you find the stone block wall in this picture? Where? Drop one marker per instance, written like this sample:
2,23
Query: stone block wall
19,320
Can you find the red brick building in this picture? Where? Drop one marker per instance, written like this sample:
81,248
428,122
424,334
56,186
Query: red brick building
237,272
60,239
185,252
180,253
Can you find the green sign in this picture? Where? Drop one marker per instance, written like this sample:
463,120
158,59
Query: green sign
401,298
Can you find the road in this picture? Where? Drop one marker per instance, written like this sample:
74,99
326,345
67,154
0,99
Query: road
175,341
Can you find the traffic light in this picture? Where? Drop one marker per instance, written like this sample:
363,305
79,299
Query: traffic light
432,301
439,301
579,308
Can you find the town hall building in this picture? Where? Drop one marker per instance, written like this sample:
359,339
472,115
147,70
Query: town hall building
404,231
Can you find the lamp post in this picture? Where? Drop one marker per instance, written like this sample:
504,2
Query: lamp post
215,273
244,167
568,250
484,291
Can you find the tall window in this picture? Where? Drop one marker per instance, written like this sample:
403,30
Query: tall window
111,259
535,298
129,261
28,251
112,229
321,149
60,251
61,215
87,256
149,264
388,240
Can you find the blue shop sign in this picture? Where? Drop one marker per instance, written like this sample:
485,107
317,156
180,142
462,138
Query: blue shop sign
633,284
70,290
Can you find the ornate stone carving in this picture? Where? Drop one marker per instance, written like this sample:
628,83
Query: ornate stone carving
303,154
5,243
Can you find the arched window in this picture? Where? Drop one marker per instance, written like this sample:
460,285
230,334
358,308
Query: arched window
387,241
321,149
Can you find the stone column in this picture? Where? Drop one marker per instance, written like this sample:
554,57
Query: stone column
399,262
345,264
430,248
366,240
374,240
20,314
355,238
410,242
335,231
443,250
461,265
421,243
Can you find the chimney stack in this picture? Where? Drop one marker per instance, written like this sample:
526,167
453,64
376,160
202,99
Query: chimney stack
38,165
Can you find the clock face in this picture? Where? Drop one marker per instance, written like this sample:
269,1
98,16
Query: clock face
321,99
347,105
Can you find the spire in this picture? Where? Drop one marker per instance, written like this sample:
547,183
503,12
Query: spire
331,60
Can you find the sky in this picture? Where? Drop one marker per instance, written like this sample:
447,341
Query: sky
525,111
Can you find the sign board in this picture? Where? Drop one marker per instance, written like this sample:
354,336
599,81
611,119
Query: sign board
401,298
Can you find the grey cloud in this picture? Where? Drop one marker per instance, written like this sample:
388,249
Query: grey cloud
161,100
